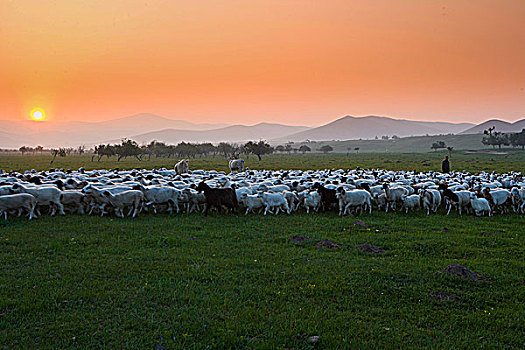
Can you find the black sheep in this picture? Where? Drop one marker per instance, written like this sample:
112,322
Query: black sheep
217,197
328,196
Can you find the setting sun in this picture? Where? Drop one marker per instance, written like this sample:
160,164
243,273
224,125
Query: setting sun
37,114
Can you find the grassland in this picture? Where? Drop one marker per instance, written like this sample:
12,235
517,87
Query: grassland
513,160
187,281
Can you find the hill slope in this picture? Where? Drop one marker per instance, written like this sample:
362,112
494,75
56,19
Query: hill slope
500,125
348,128
234,133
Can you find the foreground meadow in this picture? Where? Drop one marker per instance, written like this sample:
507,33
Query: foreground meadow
189,281
234,282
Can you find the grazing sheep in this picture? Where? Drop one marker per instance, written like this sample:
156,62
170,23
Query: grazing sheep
431,200
411,202
275,200
252,202
193,199
73,200
328,196
312,200
18,202
393,195
154,196
236,165
480,205
358,199
44,196
497,198
182,167
454,198
217,197
120,201
518,198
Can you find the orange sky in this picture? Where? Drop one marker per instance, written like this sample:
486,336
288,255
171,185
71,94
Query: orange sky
289,61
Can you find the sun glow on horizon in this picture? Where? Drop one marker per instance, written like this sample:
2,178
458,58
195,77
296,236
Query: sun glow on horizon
38,114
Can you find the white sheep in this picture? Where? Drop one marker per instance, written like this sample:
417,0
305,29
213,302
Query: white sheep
131,198
480,205
182,167
155,195
74,199
236,165
44,196
312,200
354,199
252,202
411,202
18,202
275,200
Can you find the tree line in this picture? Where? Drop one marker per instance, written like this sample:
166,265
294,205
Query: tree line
495,138
130,148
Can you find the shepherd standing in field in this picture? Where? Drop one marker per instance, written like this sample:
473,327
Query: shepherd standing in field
445,166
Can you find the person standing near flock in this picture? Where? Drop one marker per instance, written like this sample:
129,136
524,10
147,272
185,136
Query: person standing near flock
445,166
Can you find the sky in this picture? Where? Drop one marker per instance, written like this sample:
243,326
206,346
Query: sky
290,61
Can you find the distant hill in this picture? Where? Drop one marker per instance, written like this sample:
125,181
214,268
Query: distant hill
75,133
353,128
500,125
234,133
416,144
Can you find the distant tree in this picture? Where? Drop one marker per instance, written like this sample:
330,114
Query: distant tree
279,148
288,148
450,149
258,148
57,152
489,130
226,149
518,139
438,145
385,137
39,149
495,138
104,150
395,137
23,149
127,148
326,148
304,148
357,149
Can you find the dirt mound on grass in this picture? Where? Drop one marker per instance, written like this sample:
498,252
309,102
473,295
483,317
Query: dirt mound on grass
370,249
327,244
442,296
463,272
299,238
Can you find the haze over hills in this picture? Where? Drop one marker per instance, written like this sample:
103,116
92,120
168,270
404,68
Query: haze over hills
71,134
144,128
233,133
500,125
354,128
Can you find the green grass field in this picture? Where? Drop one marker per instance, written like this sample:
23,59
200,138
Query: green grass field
186,281
514,160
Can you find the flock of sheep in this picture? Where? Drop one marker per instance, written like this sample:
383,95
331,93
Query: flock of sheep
129,192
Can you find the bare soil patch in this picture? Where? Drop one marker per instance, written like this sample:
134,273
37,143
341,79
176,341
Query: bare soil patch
370,249
327,244
463,272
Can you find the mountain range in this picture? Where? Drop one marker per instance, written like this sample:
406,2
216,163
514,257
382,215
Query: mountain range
354,128
500,125
144,128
